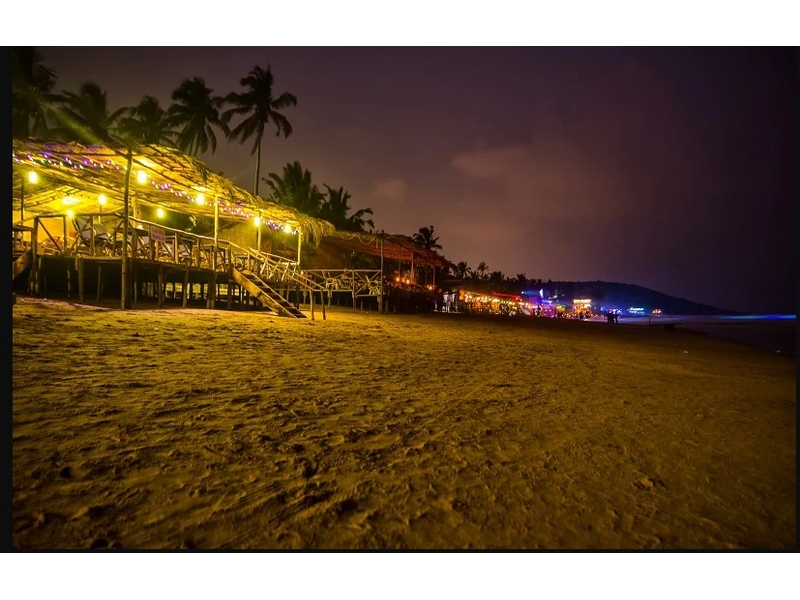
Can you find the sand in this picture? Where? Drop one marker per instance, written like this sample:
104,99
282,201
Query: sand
190,428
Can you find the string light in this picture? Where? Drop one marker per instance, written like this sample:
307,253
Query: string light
233,208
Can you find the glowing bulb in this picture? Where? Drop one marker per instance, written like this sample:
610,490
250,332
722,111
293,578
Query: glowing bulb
160,212
201,199
287,228
70,213
102,199
141,177
257,221
33,177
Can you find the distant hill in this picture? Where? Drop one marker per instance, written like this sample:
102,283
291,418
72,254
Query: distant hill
625,295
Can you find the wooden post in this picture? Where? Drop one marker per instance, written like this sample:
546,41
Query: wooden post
33,280
126,303
135,282
299,246
22,199
312,305
81,279
354,289
99,280
380,296
230,293
161,286
322,301
185,286
69,279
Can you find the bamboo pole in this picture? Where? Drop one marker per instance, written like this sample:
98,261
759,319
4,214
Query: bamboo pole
126,213
212,296
380,299
299,246
161,286
33,278
186,286
99,280
81,279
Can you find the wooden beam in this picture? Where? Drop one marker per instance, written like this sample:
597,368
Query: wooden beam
126,303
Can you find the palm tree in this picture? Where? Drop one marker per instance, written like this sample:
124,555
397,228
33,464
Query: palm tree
146,123
30,85
335,207
496,277
84,116
481,270
425,238
462,270
261,107
195,113
295,189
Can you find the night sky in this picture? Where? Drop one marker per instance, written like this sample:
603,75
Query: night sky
674,169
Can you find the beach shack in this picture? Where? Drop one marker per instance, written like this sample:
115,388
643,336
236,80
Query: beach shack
154,224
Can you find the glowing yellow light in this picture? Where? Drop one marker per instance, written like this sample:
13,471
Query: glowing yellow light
287,228
141,177
102,199
397,279
160,212
70,213
201,199
69,200
33,177
257,221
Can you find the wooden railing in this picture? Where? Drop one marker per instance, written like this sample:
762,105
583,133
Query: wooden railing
101,235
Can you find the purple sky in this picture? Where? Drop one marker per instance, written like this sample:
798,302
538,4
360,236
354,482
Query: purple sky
669,168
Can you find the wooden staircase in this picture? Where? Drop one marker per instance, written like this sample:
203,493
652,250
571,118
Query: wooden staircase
271,299
22,260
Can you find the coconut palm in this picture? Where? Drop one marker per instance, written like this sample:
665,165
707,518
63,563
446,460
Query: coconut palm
481,270
462,270
294,188
335,207
260,107
31,83
194,114
146,123
425,239
84,116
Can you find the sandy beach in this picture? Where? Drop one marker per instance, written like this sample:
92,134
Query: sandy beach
190,428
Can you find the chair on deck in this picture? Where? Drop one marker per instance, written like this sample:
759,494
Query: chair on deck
84,231
184,252
142,248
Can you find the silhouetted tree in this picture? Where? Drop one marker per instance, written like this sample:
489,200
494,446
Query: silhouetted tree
195,114
260,107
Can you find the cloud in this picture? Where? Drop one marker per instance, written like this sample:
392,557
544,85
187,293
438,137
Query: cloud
388,193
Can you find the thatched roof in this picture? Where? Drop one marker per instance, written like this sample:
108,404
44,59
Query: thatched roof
174,180
395,247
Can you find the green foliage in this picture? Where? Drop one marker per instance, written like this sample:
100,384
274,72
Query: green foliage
195,113
259,107
146,123
31,83
424,238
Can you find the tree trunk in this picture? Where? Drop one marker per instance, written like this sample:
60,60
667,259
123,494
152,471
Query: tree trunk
258,165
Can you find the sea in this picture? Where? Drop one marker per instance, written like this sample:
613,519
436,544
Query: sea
776,333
